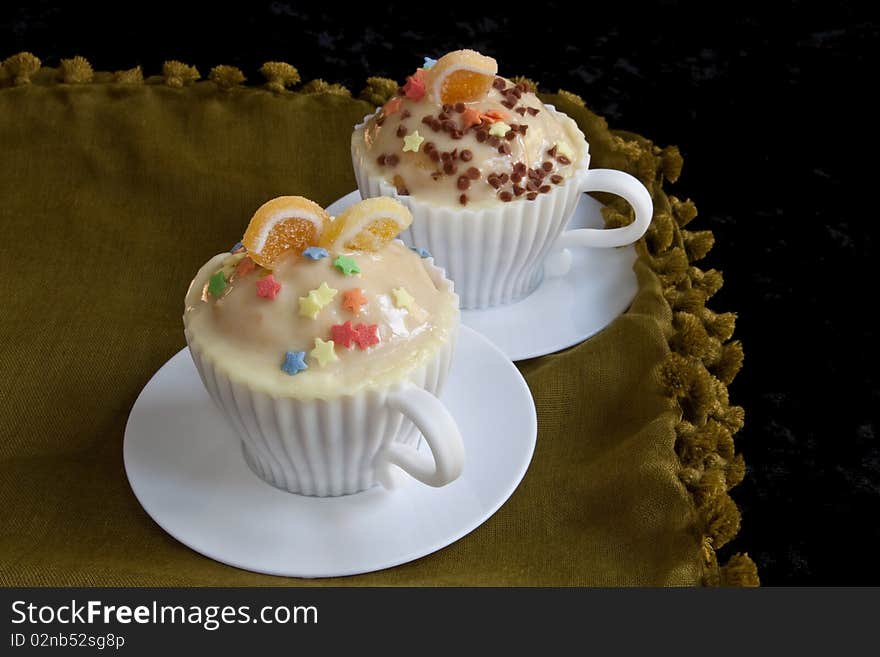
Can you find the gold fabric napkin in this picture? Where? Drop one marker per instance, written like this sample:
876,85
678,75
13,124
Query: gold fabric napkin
115,189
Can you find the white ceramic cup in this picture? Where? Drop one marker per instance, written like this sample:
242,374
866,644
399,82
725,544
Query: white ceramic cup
497,254
345,444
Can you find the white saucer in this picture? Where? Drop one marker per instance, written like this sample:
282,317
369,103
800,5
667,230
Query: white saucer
186,469
564,311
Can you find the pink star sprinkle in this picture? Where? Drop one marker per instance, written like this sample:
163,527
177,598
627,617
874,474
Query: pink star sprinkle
415,86
268,287
366,335
343,334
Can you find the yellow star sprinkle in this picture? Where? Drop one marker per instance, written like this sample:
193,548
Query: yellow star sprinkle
563,148
324,352
310,305
412,142
325,294
499,129
402,298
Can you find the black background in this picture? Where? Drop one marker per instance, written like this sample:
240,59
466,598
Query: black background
768,103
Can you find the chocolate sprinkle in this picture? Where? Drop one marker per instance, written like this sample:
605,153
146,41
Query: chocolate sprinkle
427,120
544,189
508,103
519,191
532,196
405,114
434,155
449,168
563,160
505,196
494,140
463,199
493,180
482,135
473,173
520,168
515,177
392,160
556,179
521,111
510,135
504,178
499,83
401,130
466,155
443,116
463,182
504,149
459,107
532,110
552,152
381,160
547,166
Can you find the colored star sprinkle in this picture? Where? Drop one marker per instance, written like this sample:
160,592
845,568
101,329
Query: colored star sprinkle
245,267
392,106
346,265
402,298
268,287
414,89
324,352
428,63
294,362
363,335
353,299
499,129
494,115
366,335
343,334
470,117
315,253
216,284
311,304
564,149
238,248
324,293
412,142
423,253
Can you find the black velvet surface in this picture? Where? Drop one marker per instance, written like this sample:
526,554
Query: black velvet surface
768,104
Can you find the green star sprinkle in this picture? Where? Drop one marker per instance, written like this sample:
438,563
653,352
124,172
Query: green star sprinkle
217,284
346,265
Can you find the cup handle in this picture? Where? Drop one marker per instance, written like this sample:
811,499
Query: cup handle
440,431
614,182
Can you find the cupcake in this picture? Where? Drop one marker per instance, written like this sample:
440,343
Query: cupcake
319,338
490,173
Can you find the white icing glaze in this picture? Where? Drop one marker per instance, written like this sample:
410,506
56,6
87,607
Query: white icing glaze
419,173
248,335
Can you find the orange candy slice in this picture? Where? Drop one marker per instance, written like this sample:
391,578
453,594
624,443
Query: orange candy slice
286,223
367,226
461,76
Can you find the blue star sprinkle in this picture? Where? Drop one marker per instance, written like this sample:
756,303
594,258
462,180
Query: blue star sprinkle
294,362
238,246
424,253
315,253
428,63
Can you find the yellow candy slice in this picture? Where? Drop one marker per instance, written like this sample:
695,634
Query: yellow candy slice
286,223
367,226
461,76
